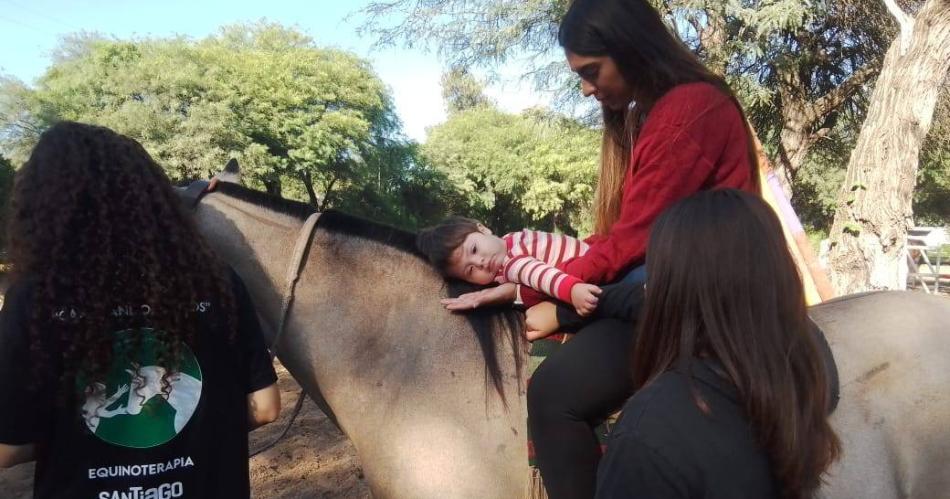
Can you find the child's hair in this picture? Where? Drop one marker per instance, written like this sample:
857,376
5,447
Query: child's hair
438,242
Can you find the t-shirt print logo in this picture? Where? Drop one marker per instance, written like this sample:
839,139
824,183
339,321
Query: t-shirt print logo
131,409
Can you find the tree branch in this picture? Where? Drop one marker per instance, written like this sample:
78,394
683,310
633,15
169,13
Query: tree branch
831,100
905,22
326,193
307,180
788,84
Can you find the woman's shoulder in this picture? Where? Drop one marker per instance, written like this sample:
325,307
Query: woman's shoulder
648,411
694,90
695,103
697,92
711,452
667,411
655,425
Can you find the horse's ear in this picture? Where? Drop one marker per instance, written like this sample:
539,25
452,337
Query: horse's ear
231,172
232,166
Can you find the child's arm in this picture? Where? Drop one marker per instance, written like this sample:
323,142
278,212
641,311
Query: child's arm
617,301
584,297
547,279
498,295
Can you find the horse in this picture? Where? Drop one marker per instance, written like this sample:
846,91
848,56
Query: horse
434,402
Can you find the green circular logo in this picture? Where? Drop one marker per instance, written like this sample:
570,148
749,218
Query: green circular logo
133,408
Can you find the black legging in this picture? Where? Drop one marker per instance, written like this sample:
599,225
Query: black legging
570,393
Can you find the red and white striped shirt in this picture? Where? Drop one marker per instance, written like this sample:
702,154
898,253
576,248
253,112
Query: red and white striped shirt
532,259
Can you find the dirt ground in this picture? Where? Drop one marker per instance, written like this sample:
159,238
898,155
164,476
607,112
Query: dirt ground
313,460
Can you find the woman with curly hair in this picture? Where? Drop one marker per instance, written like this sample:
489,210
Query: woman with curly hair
131,358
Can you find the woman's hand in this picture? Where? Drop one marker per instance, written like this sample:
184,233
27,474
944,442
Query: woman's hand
584,297
12,455
498,295
263,406
541,320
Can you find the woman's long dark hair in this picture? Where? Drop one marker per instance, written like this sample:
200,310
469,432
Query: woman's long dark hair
724,286
652,60
96,226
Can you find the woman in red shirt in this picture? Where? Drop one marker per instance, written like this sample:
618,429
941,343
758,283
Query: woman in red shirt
671,128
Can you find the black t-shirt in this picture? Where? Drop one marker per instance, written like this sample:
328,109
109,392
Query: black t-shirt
124,438
664,447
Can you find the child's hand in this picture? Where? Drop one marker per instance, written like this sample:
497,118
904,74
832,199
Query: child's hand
541,320
491,296
584,297
468,301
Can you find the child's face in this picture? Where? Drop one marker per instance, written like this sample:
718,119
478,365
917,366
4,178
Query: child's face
479,258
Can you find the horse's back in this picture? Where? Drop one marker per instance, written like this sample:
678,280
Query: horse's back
892,350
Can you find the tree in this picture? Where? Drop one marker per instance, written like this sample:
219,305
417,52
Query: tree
868,237
480,33
19,126
461,90
811,61
799,66
262,93
932,194
536,169
402,189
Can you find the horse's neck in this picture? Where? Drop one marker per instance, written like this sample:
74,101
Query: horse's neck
403,376
258,243
367,334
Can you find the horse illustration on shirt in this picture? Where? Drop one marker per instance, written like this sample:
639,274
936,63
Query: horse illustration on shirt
146,383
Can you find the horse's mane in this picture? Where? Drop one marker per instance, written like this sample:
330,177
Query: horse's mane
341,223
264,200
490,323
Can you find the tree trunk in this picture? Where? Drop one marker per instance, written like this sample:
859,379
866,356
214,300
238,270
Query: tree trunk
794,143
307,180
327,193
868,237
806,120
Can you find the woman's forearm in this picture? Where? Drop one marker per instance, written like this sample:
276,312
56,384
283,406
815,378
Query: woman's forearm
12,455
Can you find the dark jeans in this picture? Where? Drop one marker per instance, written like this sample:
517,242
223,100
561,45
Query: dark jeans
636,276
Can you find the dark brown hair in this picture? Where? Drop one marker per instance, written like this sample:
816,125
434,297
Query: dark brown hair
438,242
95,225
652,61
724,286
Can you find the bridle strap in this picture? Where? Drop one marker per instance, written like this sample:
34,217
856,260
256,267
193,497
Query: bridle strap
297,261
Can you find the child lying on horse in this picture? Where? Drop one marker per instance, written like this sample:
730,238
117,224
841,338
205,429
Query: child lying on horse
465,249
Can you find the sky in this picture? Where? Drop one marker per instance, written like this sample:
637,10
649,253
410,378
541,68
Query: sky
31,29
